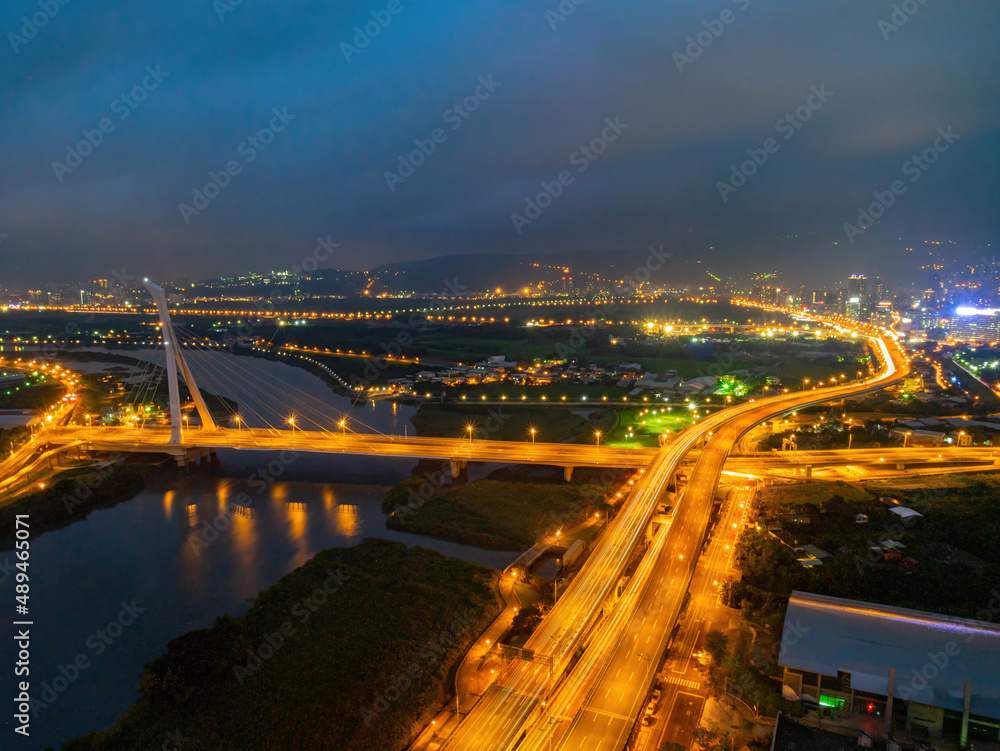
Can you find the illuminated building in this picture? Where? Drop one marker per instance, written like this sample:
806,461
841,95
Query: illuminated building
975,325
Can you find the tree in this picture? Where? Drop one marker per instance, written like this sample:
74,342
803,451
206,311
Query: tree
716,644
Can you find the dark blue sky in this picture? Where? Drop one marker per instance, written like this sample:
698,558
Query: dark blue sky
325,173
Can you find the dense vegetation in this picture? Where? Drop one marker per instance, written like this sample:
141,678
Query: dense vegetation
833,434
488,513
13,438
362,668
951,559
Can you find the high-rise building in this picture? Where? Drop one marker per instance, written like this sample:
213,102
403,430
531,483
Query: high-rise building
975,325
929,318
857,285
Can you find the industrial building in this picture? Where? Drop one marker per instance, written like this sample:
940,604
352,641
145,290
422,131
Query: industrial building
942,673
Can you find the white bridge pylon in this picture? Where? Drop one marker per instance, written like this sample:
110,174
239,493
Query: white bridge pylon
176,360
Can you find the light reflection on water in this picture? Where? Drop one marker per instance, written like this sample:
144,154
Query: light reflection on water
157,549
150,548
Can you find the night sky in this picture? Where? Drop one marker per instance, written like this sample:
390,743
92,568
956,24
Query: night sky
543,83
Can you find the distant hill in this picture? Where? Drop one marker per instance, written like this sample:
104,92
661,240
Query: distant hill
474,272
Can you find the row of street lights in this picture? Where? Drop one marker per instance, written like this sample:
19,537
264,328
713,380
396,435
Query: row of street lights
471,428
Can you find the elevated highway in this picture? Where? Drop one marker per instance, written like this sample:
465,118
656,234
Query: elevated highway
611,709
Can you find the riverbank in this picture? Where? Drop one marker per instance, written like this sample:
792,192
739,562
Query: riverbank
73,497
358,645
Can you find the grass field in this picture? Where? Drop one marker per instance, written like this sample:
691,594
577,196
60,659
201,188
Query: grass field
492,514
643,427
502,423
363,670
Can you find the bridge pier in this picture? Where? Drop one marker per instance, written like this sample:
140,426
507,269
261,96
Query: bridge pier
457,468
567,474
188,457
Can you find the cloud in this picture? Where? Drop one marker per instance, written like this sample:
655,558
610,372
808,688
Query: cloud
326,173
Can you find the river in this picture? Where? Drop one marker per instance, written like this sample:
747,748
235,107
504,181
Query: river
160,562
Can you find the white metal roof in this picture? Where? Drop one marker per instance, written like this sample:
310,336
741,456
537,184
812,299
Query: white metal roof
934,655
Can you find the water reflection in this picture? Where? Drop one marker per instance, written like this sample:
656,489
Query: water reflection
188,565
191,549
245,548
347,520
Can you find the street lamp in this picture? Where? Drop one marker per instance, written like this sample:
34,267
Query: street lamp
469,428
598,435
239,421
291,421
533,431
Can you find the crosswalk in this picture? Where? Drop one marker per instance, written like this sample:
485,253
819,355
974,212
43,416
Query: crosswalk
685,683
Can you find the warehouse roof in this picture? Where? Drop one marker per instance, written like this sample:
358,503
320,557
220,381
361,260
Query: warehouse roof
934,655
